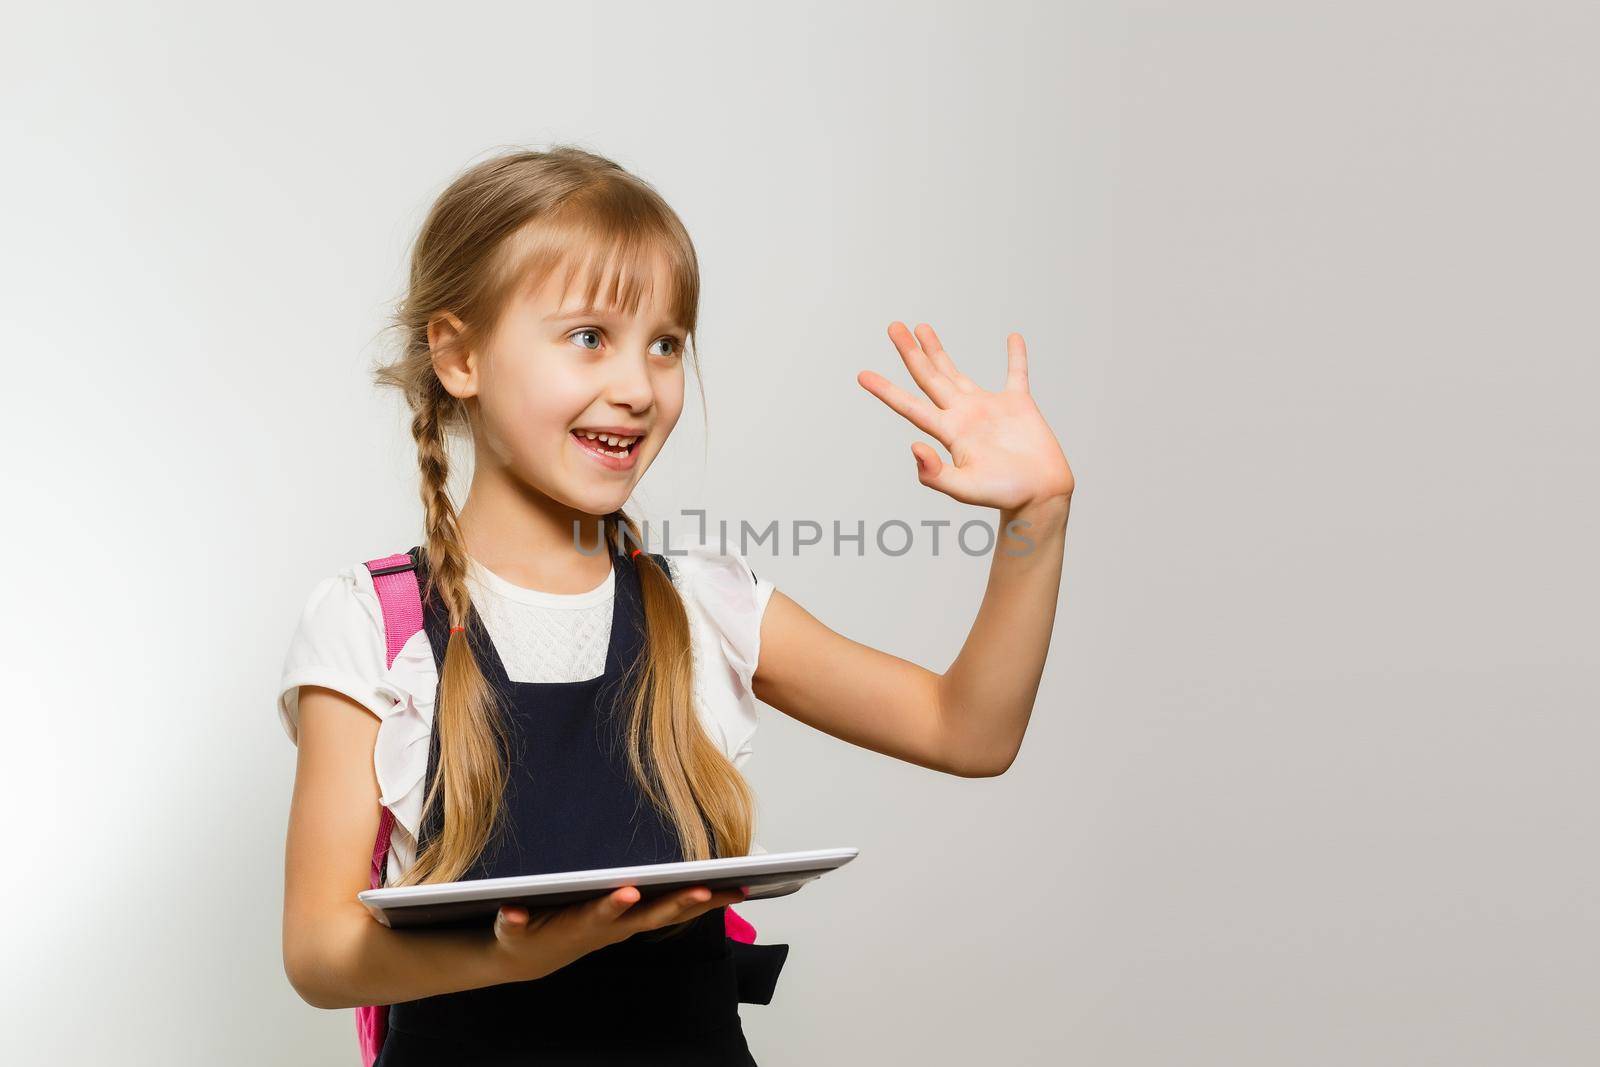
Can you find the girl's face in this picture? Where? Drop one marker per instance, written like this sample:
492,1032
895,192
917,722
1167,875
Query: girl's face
555,378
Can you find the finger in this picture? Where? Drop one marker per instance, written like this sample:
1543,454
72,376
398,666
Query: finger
923,415
510,920
942,360
1016,363
615,904
932,380
667,908
719,899
664,907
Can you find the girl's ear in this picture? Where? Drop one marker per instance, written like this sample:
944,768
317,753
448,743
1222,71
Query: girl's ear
453,361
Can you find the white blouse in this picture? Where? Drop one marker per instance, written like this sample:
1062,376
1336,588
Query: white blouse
540,637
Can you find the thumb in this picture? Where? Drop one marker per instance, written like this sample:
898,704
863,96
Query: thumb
931,470
934,473
511,918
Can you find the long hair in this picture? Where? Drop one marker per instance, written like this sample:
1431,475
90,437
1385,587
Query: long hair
510,221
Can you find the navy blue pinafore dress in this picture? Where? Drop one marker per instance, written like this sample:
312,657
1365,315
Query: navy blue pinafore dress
571,803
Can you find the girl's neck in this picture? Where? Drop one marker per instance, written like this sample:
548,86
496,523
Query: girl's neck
532,546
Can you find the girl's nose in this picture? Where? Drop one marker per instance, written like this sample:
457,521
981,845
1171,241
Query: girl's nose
630,385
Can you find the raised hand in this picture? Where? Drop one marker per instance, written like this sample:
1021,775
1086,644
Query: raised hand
1002,453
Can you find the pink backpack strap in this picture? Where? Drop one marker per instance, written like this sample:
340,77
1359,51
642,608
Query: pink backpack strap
739,929
394,579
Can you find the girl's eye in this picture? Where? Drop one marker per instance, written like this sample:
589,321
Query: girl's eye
674,350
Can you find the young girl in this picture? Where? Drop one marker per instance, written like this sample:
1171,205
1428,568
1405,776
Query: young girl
565,707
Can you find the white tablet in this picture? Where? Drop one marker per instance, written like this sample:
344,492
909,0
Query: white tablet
766,874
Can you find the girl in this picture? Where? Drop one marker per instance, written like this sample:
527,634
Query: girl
563,708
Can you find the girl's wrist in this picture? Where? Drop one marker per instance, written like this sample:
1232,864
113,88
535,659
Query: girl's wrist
1045,513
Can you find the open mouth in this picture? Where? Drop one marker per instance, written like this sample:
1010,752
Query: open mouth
606,444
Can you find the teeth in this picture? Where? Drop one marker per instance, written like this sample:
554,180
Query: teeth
621,444
610,439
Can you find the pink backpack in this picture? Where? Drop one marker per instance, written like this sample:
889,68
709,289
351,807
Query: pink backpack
395,580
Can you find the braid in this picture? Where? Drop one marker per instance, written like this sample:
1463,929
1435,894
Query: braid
472,731
447,556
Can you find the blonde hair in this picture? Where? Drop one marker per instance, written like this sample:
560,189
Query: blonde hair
509,221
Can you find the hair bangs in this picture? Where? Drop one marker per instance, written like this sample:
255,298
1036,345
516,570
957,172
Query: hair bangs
611,259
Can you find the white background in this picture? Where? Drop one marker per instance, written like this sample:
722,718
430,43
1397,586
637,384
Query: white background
1309,296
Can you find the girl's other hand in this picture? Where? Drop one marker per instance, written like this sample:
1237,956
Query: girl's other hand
540,941
1002,453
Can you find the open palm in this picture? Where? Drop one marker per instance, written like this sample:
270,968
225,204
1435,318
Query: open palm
1002,453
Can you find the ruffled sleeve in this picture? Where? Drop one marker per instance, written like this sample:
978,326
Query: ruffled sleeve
339,644
725,599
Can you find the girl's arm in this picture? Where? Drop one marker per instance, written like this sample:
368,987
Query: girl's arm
336,955
971,719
